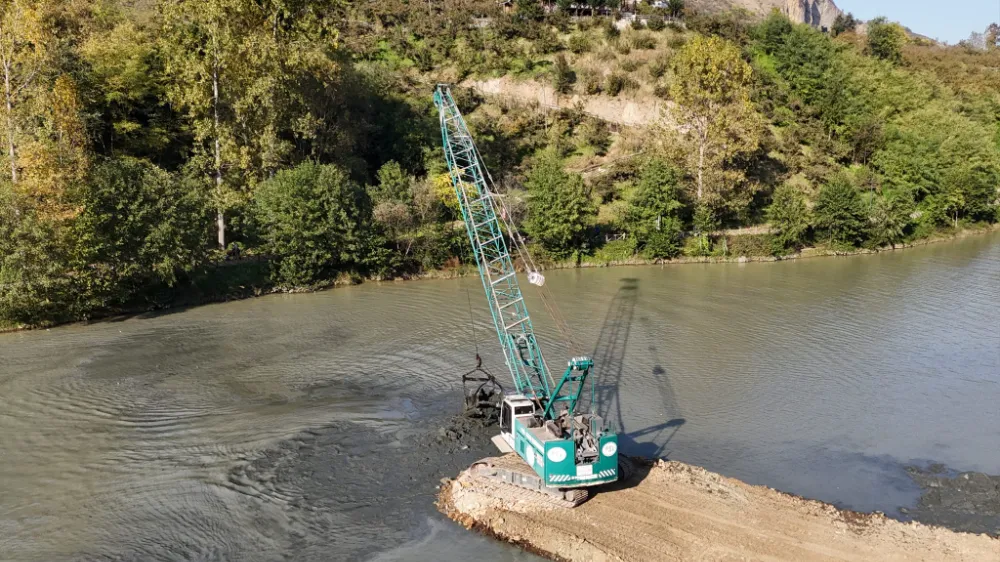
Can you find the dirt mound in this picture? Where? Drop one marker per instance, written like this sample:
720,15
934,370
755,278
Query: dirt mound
673,511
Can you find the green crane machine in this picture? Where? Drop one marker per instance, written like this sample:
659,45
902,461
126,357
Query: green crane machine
564,451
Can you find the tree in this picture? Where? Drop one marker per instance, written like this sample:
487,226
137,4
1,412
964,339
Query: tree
25,54
843,23
655,199
712,90
771,32
201,40
316,223
560,209
393,205
530,9
935,150
239,69
36,287
138,227
839,212
804,59
562,75
886,40
675,8
788,216
393,184
125,71
888,217
991,37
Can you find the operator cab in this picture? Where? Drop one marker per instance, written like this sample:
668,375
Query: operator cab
520,407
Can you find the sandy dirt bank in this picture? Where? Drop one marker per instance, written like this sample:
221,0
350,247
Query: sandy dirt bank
673,511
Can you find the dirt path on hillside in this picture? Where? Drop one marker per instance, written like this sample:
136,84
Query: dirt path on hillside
673,511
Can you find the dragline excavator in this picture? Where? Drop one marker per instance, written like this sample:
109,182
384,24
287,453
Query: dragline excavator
564,451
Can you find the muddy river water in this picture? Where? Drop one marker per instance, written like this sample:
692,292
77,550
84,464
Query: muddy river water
307,426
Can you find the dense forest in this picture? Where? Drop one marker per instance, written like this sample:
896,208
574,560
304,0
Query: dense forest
201,149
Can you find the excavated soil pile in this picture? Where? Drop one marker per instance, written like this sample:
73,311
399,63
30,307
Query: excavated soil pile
674,511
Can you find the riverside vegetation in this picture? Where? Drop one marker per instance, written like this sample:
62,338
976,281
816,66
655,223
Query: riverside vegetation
201,149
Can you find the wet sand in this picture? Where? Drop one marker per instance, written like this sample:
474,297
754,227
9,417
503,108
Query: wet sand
672,511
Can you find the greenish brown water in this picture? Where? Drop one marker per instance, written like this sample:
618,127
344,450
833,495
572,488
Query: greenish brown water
296,426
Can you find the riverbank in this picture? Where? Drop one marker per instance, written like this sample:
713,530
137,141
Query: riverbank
229,281
674,511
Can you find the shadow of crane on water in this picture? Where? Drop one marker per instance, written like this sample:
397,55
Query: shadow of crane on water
609,361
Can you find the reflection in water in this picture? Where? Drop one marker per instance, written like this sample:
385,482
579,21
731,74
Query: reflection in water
143,437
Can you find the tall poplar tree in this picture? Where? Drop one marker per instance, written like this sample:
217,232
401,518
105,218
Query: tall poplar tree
712,91
25,40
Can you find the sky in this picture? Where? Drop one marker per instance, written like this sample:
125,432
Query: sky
950,21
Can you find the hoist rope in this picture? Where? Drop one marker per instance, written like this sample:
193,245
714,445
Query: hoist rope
517,240
472,322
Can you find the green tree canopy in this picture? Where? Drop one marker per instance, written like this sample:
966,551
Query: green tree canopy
317,221
839,213
560,210
712,90
138,226
934,151
886,40
655,199
888,217
788,216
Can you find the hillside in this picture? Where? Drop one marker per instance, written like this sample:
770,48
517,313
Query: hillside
190,150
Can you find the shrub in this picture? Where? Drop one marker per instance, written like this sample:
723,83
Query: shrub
676,27
676,41
616,251
663,243
595,133
637,23
611,30
751,245
591,82
661,90
606,54
631,65
546,42
578,43
656,23
623,46
658,68
699,245
644,41
316,223
618,82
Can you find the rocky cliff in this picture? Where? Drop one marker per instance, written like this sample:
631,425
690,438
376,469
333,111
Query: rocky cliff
819,13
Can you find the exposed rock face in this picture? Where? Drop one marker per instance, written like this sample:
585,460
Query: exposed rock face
817,13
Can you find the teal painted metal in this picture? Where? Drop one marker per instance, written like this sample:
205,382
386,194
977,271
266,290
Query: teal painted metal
496,268
560,469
